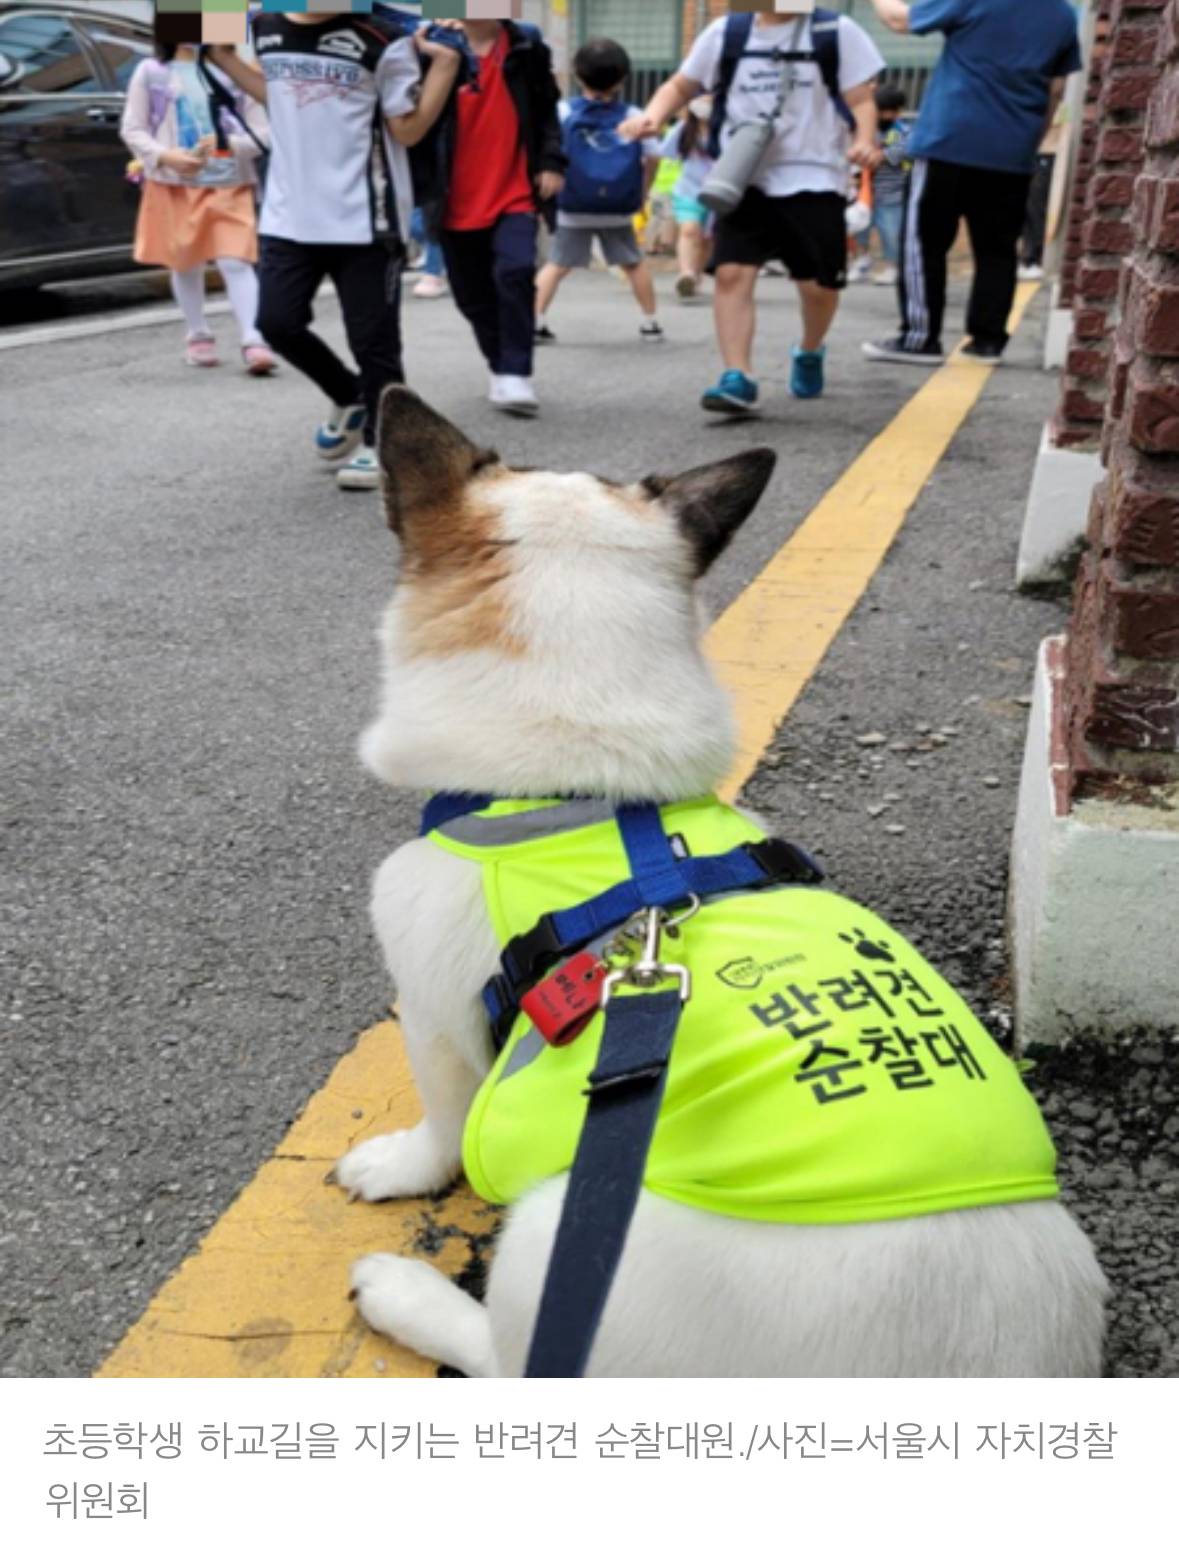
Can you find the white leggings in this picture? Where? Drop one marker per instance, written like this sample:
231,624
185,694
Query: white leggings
241,284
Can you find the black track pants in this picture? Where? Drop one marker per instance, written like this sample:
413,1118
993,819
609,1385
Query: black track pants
938,195
367,278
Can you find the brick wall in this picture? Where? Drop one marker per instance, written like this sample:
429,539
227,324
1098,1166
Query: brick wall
1082,173
1124,70
1121,703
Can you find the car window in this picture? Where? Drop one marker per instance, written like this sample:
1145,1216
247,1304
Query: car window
47,54
120,49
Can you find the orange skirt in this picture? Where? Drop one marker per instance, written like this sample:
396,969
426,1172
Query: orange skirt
181,226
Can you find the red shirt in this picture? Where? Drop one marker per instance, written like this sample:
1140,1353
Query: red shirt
489,176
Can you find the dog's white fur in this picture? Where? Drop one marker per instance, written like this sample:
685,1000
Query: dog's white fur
611,696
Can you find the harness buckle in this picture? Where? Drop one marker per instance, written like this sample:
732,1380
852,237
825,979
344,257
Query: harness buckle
531,954
783,861
649,970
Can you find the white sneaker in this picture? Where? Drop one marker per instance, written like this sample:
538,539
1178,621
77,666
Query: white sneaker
860,269
885,276
431,286
514,395
1030,271
651,332
360,472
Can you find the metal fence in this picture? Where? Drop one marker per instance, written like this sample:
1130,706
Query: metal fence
650,31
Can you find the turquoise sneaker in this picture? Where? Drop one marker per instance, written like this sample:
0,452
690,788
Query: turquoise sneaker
341,432
735,393
806,371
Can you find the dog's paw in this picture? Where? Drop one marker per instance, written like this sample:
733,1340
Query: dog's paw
407,1162
395,1296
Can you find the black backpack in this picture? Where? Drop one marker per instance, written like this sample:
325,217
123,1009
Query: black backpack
824,52
427,159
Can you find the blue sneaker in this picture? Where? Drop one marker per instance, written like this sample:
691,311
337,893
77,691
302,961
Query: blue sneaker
806,371
340,433
735,393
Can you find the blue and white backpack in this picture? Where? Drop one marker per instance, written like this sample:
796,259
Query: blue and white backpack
605,175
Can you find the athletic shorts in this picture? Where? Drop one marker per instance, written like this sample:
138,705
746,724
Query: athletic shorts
686,209
807,232
572,246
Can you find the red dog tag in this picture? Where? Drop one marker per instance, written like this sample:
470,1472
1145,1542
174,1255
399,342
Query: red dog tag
561,1006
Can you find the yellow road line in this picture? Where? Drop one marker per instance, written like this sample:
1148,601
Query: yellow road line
265,1293
769,642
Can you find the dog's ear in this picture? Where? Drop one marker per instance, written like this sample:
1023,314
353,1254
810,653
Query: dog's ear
425,460
710,503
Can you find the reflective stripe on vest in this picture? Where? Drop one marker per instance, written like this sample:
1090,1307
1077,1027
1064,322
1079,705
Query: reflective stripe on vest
823,1071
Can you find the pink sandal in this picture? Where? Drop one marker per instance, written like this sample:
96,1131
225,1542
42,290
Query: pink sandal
201,350
258,359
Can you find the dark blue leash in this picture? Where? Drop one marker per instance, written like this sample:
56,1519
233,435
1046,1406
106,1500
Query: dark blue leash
625,1091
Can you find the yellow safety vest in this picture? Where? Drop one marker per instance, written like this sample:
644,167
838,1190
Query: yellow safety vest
822,1071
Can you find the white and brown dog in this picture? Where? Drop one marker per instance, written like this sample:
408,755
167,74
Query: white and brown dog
544,637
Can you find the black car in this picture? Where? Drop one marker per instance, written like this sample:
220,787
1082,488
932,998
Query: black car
66,208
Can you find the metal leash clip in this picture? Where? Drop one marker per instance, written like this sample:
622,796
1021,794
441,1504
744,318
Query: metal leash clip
646,971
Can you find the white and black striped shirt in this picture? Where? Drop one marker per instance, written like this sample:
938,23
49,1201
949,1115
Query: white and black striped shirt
336,175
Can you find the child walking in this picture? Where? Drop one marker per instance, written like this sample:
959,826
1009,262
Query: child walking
197,206
687,143
346,97
502,163
888,180
811,74
606,186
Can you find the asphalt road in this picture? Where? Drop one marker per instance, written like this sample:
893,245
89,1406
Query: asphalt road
189,655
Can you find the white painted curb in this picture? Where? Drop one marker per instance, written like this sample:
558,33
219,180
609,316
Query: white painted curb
1093,909
1056,514
1058,332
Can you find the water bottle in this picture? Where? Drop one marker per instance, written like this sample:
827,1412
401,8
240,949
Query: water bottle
186,125
725,186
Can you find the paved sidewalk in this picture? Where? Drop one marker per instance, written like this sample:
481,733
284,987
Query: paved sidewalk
189,639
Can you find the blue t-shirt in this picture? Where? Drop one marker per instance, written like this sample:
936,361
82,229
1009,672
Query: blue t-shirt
987,103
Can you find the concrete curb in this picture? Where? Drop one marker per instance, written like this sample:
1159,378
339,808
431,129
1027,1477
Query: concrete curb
1057,332
1056,514
1092,896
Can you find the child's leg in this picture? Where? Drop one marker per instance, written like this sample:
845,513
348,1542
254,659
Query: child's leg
513,268
690,249
368,281
547,282
290,276
241,285
188,287
641,283
819,306
569,250
888,229
468,266
733,314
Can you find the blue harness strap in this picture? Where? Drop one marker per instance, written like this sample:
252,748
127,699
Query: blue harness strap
660,879
444,806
